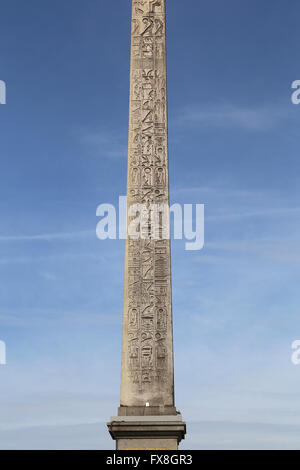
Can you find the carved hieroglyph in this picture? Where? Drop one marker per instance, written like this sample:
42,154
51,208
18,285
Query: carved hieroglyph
147,356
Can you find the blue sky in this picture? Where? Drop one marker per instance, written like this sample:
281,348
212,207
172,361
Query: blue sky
234,146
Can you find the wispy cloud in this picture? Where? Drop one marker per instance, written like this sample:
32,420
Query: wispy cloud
268,212
104,143
208,435
283,251
241,436
229,194
50,316
230,115
103,257
218,190
48,236
228,203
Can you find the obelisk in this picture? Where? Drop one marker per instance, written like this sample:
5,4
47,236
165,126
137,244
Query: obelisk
147,417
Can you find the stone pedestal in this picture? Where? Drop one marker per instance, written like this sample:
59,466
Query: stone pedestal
147,432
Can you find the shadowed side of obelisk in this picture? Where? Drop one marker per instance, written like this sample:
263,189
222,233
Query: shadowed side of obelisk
147,408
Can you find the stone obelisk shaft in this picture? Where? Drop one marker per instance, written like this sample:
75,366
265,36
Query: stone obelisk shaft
147,349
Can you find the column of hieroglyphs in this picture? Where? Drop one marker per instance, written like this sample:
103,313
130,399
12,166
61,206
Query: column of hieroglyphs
147,356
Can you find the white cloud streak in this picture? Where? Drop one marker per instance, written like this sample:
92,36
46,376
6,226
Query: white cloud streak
48,236
233,116
103,143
